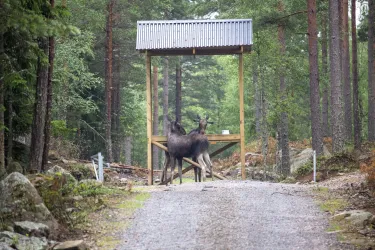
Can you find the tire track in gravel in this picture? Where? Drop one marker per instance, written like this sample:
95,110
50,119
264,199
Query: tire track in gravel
230,215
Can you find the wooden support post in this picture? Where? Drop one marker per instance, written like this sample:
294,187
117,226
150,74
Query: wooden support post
242,115
149,119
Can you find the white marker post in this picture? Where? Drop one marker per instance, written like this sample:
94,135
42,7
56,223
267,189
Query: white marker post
314,162
100,164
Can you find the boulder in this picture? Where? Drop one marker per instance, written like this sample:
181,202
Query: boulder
358,218
14,166
59,170
22,242
4,246
31,228
82,171
300,159
71,245
20,201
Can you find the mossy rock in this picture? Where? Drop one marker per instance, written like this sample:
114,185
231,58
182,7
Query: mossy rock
14,166
60,171
82,171
20,201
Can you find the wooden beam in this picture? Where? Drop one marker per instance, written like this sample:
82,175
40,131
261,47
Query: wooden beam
199,51
187,160
211,138
149,119
242,115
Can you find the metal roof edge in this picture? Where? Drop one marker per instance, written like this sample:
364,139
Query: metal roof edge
193,21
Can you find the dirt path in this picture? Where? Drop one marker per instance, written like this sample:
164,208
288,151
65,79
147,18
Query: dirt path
230,215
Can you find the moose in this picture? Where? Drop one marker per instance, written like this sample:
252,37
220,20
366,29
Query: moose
193,145
202,125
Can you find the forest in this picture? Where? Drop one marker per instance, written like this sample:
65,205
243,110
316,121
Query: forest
73,84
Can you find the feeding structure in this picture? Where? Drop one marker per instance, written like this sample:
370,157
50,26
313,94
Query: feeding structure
195,37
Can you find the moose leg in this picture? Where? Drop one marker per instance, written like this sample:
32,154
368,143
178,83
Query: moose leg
199,174
207,159
195,170
173,164
165,167
180,169
203,166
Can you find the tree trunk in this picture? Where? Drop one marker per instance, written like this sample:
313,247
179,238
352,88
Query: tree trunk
116,106
10,127
178,93
357,121
155,149
165,95
258,102
337,120
47,128
39,119
325,104
2,125
346,72
371,71
128,150
108,80
317,144
284,138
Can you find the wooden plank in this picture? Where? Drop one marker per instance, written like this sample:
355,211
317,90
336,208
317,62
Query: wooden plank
211,138
200,51
149,119
242,115
187,160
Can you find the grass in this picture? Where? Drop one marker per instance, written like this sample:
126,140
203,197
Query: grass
323,190
132,204
333,205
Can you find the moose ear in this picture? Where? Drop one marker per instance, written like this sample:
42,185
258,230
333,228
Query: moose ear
198,117
196,120
210,122
207,117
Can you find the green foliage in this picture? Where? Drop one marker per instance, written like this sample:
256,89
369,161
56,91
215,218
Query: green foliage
59,129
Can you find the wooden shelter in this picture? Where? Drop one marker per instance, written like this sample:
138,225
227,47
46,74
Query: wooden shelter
195,37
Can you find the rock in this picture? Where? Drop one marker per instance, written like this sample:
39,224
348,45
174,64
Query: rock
358,218
326,152
71,245
22,242
83,171
14,167
289,179
30,228
124,180
53,155
59,170
300,159
20,201
4,246
77,198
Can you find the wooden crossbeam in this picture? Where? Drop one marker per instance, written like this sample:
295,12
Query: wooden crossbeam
185,170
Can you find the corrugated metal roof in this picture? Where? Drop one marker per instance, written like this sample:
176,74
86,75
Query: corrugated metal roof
177,34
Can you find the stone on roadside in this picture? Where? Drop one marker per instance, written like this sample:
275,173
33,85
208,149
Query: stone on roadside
31,228
22,242
71,245
20,201
358,218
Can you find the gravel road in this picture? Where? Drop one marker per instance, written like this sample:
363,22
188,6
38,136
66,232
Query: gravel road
230,215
